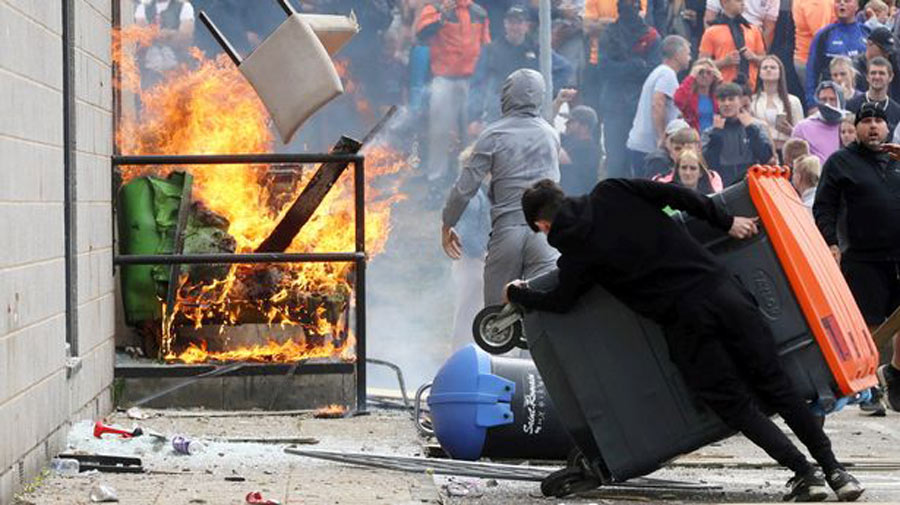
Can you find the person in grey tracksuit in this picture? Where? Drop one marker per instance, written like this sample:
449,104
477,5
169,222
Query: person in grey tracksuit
517,150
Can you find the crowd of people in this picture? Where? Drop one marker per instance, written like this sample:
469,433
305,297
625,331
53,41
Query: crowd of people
693,94
683,92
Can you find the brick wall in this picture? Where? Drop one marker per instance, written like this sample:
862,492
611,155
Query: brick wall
39,397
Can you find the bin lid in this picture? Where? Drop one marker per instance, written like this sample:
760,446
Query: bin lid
816,279
465,400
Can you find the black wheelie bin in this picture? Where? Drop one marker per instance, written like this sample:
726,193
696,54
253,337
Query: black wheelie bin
608,371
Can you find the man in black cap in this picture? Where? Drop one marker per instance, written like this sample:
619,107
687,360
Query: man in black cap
863,180
515,50
579,160
880,43
879,75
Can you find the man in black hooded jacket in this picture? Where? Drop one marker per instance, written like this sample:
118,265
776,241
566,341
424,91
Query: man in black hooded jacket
629,50
863,181
619,237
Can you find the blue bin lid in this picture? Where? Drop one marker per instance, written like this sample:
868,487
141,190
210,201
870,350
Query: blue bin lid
465,400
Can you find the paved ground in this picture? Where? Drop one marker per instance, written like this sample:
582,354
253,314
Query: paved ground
741,470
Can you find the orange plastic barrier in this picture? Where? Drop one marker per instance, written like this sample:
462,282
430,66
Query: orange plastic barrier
815,278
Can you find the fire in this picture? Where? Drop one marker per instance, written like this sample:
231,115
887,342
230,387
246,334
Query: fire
207,107
332,411
351,88
272,351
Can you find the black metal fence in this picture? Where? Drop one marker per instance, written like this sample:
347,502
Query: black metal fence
358,256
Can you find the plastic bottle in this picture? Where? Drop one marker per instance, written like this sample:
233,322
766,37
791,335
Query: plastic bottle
65,466
184,445
102,494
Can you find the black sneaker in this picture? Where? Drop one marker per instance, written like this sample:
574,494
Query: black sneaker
808,487
890,381
845,486
874,407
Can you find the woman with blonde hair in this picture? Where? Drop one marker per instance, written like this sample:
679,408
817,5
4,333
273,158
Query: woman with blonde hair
805,178
772,104
691,172
848,129
695,97
845,75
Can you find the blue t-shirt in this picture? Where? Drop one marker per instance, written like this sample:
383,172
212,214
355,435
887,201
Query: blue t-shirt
705,111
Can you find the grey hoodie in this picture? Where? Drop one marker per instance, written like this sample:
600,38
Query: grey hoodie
517,150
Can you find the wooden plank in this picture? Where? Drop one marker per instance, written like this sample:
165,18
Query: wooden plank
306,204
183,211
883,333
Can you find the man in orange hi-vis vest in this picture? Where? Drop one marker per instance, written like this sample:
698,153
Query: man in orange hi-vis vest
455,31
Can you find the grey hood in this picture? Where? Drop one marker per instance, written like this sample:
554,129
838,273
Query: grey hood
523,93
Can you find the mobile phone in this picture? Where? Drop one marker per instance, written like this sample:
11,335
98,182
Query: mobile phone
780,117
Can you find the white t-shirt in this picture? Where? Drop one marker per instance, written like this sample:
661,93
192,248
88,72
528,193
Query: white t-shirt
642,136
187,13
755,11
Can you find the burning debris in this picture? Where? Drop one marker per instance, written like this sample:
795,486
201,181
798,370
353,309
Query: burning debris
331,412
207,107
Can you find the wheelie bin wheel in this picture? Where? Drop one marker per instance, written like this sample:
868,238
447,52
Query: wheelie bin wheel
568,481
497,329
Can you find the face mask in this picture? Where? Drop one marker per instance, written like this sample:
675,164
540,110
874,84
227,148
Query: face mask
830,114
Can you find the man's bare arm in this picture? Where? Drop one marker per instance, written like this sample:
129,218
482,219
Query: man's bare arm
660,100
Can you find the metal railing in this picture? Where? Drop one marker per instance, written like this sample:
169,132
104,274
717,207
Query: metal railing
357,257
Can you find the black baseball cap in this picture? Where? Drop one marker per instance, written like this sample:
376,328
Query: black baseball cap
871,110
883,38
516,11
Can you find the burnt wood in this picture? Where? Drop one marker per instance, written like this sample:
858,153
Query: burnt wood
306,204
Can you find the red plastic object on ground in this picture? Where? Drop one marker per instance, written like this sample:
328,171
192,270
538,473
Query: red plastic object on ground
101,429
818,284
256,498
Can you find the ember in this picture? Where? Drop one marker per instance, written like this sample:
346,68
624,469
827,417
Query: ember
330,412
207,107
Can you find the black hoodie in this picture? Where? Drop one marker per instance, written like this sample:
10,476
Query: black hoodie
868,183
735,148
619,237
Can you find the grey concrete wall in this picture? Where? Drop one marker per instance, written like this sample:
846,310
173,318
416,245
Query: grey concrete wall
39,396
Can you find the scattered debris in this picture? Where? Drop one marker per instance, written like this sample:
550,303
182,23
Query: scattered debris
491,483
157,437
104,463
184,445
235,478
65,466
101,429
102,494
134,352
136,413
332,411
271,440
256,498
239,413
466,488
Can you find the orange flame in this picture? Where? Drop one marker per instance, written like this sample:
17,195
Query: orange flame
330,412
207,107
125,41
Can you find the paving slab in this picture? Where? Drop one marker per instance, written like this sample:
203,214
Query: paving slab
742,471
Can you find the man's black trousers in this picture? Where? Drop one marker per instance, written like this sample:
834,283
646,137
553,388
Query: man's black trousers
725,349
